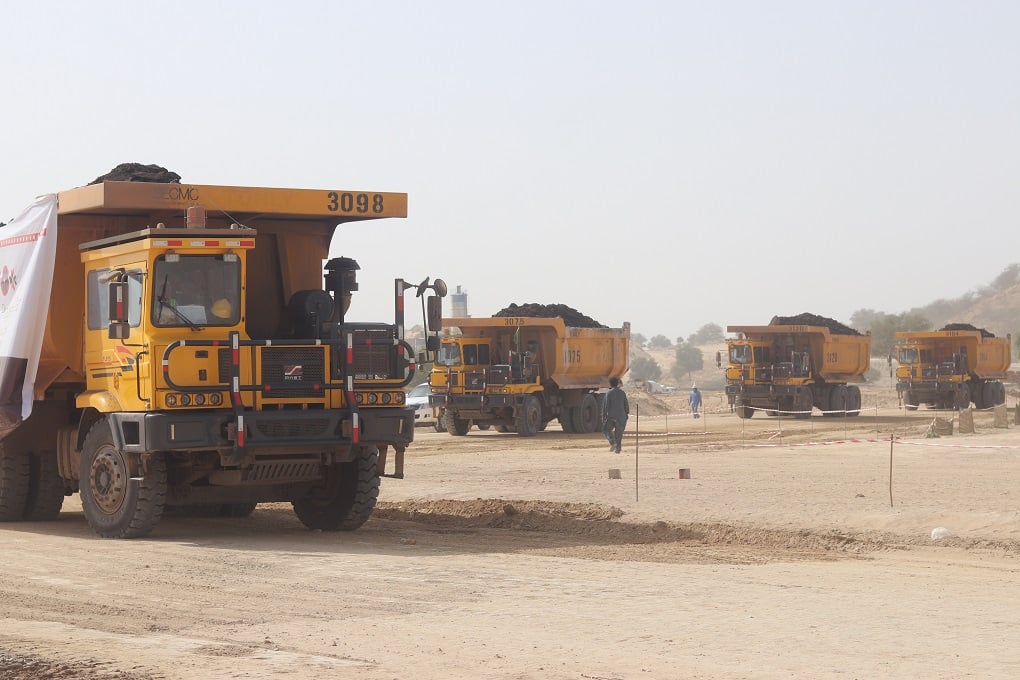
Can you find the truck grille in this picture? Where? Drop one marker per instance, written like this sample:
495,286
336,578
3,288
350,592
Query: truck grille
293,371
374,355
293,429
283,471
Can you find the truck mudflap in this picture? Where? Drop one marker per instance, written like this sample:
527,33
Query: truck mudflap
278,431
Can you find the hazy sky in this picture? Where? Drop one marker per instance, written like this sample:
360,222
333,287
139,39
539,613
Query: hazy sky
669,164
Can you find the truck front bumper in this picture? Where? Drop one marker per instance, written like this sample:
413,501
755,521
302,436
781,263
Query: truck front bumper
284,431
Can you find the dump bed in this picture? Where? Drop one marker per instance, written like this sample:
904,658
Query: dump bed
987,358
834,357
569,356
294,229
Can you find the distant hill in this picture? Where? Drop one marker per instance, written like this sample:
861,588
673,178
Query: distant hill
995,307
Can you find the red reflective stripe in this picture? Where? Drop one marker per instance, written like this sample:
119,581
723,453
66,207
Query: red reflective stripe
350,355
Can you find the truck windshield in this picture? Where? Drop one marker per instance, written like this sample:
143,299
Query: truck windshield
740,354
196,290
449,354
908,355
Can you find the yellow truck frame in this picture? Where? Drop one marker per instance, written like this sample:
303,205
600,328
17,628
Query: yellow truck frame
193,358
519,373
951,368
793,368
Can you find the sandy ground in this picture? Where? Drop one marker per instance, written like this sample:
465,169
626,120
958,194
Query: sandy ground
784,555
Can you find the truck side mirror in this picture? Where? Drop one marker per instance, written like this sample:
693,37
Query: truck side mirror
433,343
435,313
118,306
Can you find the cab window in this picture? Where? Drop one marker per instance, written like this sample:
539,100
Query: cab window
196,290
99,299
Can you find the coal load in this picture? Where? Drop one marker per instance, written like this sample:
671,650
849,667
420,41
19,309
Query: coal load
808,319
136,172
967,327
570,316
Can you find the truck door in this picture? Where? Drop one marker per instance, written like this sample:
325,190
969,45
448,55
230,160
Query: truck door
112,364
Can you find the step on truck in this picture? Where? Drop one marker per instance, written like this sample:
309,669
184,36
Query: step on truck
195,356
519,373
951,368
793,368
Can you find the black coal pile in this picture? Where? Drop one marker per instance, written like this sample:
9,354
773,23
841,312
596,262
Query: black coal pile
967,327
807,319
136,172
570,316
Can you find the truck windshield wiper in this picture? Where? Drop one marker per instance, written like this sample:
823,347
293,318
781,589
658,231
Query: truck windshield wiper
163,301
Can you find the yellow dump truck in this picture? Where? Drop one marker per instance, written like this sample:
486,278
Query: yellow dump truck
519,373
793,368
194,354
951,368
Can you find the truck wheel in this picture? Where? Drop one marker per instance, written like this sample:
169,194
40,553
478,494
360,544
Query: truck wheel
989,395
117,500
839,401
910,401
439,424
46,489
15,481
962,397
345,499
1000,394
586,416
803,406
458,427
854,401
529,416
743,411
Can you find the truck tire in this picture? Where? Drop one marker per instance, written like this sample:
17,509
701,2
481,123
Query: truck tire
743,411
45,490
15,481
117,500
977,394
802,407
910,401
458,427
854,401
344,500
989,395
839,401
961,399
529,416
586,416
439,424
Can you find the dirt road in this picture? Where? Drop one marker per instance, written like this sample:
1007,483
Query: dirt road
503,557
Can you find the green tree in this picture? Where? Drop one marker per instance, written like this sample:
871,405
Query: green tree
688,360
709,333
659,341
643,368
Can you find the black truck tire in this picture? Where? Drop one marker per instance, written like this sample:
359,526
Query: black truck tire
586,416
458,427
117,500
46,489
529,416
344,500
15,482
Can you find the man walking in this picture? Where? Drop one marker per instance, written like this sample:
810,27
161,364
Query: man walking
615,410
695,400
